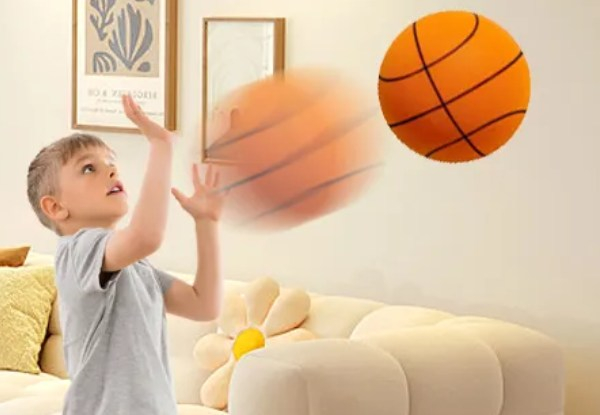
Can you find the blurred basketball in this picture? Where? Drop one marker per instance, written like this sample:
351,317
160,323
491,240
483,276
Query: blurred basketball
454,86
295,147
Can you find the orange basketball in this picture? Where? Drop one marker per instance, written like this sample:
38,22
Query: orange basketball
296,146
454,86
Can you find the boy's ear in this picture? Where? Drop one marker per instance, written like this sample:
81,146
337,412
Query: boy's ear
53,209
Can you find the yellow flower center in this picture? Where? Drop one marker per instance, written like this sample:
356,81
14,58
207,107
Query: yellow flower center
248,340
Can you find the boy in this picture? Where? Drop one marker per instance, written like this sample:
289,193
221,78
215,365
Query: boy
112,300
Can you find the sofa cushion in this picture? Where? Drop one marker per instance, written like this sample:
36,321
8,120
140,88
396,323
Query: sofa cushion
449,371
52,360
197,410
54,323
26,394
13,257
526,357
320,377
13,383
392,318
36,258
26,296
336,317
45,404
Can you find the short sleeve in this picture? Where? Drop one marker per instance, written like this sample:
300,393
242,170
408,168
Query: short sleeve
84,253
163,278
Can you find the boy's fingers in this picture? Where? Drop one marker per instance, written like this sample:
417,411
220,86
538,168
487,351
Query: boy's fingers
130,109
196,176
209,175
125,105
133,111
136,108
178,195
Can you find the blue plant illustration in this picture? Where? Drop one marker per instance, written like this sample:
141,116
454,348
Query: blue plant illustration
144,67
149,1
104,18
126,42
104,62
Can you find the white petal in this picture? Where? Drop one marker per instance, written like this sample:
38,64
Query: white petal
233,317
296,335
289,310
260,295
212,351
215,390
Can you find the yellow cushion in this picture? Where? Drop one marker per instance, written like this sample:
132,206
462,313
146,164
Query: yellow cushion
13,257
26,295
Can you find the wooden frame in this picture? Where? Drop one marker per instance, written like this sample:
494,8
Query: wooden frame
154,86
276,48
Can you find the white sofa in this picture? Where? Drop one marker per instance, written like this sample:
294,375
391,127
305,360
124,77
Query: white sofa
369,358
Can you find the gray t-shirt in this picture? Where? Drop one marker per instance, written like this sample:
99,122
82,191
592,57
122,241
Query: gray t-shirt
115,340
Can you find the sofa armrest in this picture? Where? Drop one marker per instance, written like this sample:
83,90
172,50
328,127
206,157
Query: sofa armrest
319,377
477,366
532,364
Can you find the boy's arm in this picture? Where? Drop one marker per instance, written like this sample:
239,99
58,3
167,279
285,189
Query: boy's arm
202,300
145,232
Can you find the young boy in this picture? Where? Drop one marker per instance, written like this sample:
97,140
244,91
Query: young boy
112,300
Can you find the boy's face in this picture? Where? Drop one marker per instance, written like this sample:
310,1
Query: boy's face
90,189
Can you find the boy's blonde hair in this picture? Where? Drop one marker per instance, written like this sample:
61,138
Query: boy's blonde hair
42,176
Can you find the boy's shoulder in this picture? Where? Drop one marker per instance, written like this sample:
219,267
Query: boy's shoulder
82,249
83,240
79,258
83,233
87,242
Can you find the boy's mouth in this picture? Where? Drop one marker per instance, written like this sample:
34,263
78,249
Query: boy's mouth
116,189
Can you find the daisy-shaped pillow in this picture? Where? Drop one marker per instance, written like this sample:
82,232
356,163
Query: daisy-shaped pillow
260,316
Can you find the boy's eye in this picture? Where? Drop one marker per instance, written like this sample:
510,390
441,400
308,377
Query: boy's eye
88,168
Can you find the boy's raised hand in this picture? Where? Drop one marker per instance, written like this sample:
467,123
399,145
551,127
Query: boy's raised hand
149,128
206,202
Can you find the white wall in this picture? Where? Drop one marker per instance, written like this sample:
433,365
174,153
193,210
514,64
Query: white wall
514,236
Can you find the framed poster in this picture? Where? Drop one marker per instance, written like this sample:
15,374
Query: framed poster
123,47
237,51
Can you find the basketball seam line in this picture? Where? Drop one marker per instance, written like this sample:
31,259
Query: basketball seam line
261,127
462,94
330,135
311,191
216,145
438,60
439,95
477,130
